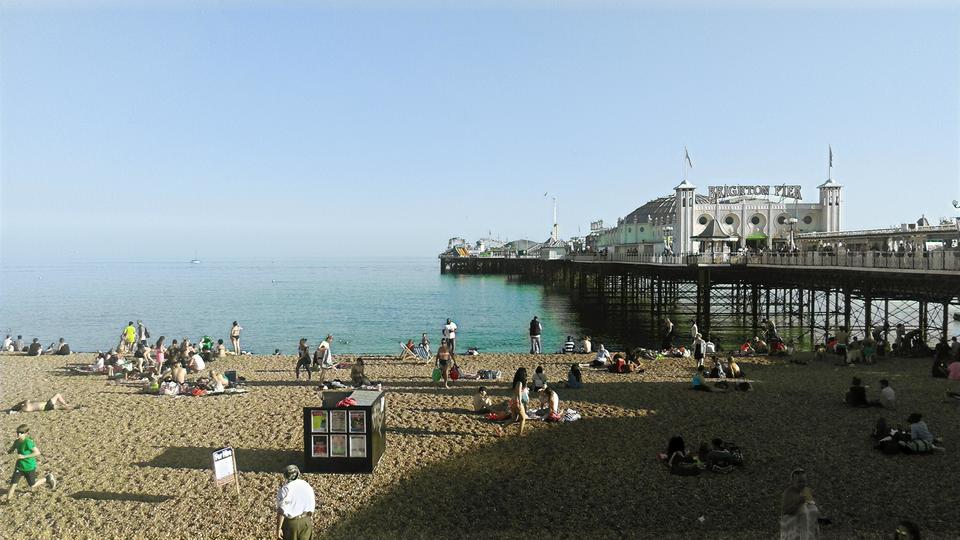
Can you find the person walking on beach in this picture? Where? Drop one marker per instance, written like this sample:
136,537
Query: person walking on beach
667,334
296,503
142,333
535,330
443,362
235,337
303,359
450,334
128,337
26,465
323,359
694,330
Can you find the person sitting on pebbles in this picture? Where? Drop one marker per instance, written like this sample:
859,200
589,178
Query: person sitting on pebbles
601,360
53,404
551,401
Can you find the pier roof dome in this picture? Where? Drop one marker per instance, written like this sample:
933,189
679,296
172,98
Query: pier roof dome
659,210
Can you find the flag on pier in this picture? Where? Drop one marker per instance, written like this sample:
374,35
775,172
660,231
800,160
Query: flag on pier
686,155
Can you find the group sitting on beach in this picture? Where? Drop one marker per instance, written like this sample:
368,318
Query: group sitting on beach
916,440
718,456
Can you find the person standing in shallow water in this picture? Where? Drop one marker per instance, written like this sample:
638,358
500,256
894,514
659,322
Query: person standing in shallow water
235,337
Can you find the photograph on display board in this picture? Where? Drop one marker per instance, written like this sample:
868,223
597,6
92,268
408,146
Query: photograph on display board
338,446
358,446
338,421
318,421
358,422
319,446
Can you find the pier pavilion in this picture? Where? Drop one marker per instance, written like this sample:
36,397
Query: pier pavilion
749,216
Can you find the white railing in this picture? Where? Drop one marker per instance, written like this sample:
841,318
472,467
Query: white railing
624,258
918,260
921,260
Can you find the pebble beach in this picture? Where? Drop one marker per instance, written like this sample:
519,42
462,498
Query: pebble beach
133,465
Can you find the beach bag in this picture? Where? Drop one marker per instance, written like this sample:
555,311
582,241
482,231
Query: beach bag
454,372
571,416
436,374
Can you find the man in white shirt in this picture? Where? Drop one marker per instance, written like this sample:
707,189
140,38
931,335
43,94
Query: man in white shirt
8,344
694,330
296,504
887,396
450,332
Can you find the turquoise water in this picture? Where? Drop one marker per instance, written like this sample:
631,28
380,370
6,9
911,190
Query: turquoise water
369,305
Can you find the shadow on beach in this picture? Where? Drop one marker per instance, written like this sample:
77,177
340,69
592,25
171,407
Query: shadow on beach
259,460
121,497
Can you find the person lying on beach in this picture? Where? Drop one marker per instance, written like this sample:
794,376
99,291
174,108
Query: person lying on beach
220,383
35,349
618,364
53,404
699,385
574,377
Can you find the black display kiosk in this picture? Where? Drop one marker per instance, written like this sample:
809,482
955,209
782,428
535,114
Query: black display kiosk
345,439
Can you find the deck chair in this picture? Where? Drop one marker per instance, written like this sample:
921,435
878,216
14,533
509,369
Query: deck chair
406,353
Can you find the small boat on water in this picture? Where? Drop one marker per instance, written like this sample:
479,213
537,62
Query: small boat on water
194,261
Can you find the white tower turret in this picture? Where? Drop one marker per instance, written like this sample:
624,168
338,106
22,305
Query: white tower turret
831,201
685,211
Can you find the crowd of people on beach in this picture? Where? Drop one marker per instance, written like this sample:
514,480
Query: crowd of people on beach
164,369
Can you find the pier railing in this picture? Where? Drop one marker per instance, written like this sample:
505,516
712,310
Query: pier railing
939,260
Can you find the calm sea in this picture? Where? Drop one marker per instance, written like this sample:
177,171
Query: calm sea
368,304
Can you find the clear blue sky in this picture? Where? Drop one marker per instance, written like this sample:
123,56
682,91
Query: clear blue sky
149,131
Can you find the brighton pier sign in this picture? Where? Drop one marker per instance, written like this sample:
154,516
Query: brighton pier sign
715,193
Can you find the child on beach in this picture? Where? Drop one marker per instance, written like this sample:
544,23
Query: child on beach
26,465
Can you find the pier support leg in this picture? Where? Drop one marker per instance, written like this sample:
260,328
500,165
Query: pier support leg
945,328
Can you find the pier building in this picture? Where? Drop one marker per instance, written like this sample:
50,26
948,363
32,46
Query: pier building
726,219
